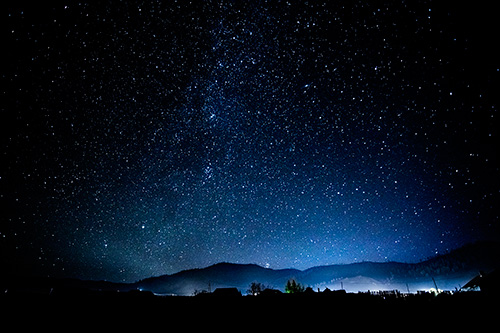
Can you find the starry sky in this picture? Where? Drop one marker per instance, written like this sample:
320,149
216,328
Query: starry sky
144,138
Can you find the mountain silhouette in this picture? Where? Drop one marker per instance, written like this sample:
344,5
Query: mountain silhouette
221,275
450,271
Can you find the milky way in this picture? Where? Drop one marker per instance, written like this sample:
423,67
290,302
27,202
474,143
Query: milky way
142,139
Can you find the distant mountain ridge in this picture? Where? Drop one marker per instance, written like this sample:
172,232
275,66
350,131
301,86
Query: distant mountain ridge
449,270
216,276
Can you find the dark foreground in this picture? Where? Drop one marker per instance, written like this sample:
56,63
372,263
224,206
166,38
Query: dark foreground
123,308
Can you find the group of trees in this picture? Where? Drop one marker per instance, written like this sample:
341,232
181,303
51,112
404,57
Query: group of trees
291,287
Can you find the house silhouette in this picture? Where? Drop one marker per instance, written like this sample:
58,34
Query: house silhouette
226,292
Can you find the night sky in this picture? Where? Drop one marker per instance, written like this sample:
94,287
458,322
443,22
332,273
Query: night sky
140,139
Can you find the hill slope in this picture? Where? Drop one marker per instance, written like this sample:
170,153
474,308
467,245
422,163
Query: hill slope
218,276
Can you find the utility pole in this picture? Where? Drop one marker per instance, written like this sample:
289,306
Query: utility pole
435,285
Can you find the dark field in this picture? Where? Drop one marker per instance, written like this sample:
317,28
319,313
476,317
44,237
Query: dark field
124,307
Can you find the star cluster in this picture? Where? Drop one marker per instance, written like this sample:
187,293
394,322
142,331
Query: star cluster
142,139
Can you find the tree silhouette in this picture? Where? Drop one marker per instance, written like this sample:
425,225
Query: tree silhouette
255,288
293,287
